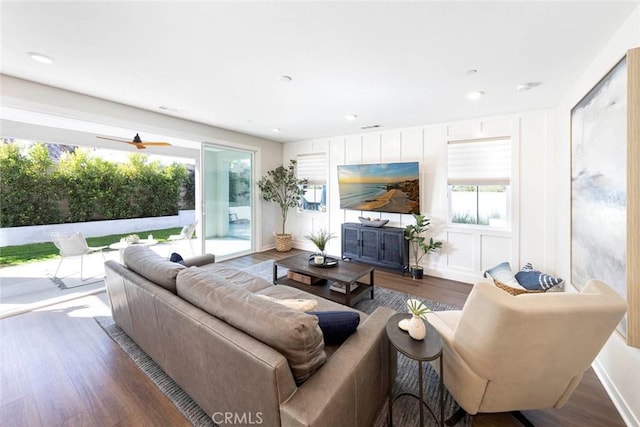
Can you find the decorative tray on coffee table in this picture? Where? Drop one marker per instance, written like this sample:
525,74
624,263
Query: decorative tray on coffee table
329,262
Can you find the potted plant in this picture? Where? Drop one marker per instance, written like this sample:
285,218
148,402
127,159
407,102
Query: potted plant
418,245
282,187
320,239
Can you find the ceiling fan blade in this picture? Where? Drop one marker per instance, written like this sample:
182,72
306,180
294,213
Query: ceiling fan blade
157,144
137,141
112,139
138,145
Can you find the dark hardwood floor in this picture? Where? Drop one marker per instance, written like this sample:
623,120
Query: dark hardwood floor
58,367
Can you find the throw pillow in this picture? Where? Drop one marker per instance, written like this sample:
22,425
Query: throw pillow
175,257
532,279
515,291
296,304
337,326
502,273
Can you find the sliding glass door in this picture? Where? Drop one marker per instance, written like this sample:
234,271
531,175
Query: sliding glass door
228,201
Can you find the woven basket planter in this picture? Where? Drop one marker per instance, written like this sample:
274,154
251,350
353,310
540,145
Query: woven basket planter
283,242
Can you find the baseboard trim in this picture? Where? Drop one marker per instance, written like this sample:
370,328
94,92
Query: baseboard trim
621,405
468,278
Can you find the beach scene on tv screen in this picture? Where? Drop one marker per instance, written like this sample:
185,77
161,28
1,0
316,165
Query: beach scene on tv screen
384,187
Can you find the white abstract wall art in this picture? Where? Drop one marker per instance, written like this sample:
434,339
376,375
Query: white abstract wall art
598,184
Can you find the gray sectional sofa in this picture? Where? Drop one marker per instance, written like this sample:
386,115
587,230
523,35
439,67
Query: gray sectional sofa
236,352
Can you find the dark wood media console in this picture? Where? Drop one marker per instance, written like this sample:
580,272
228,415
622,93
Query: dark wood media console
383,247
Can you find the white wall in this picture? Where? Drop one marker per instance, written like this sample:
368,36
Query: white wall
42,233
469,250
88,114
617,365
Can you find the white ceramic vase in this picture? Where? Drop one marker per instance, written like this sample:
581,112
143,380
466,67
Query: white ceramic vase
417,328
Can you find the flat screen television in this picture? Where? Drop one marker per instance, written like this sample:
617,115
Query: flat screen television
380,187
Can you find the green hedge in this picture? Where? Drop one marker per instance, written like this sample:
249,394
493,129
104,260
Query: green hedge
35,190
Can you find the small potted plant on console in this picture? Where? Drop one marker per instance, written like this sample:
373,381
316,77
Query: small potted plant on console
418,245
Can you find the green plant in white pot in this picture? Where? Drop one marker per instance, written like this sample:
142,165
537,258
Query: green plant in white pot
282,186
320,239
418,244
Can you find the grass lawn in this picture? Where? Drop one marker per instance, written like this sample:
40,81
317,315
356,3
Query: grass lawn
15,255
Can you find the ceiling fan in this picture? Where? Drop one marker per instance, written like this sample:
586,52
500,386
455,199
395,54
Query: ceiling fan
137,142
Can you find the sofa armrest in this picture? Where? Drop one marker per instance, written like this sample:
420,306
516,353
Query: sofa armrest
352,386
200,260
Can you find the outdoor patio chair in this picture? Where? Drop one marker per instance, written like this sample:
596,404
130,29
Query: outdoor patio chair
73,245
186,234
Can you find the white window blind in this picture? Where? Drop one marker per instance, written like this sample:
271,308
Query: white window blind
313,167
479,162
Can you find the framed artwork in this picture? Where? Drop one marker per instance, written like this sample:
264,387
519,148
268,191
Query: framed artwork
604,225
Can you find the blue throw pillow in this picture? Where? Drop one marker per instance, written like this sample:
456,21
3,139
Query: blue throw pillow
502,273
337,326
532,279
176,258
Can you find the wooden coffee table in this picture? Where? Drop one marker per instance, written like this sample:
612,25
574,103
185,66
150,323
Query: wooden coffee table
345,272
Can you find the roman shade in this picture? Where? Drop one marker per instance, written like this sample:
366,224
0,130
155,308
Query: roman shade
479,162
313,167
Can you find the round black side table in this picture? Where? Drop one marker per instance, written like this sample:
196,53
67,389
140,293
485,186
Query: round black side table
422,351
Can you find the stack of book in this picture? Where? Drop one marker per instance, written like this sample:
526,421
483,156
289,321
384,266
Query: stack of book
342,287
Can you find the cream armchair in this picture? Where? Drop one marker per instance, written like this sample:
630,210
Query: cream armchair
509,353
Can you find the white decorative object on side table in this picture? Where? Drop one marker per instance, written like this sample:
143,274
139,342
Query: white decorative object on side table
416,327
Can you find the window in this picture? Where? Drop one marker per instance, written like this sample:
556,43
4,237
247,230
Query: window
479,178
313,168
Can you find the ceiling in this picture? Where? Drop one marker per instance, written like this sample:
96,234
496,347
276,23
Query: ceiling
393,64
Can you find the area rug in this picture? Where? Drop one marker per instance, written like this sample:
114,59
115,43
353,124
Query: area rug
265,270
405,409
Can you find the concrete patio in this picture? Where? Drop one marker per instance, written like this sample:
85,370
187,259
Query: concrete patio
30,286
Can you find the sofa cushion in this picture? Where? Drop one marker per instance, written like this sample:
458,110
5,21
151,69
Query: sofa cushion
337,326
532,279
283,292
152,266
296,335
239,278
299,304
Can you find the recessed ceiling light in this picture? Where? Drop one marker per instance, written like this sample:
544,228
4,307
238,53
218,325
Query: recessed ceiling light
475,94
39,57
275,130
351,117
471,71
371,127
285,79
